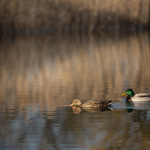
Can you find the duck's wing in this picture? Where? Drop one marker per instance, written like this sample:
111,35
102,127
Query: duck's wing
142,95
97,103
105,103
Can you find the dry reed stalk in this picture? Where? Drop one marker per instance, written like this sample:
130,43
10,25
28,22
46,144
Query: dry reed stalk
65,15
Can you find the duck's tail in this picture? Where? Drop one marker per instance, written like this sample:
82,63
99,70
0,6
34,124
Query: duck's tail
109,103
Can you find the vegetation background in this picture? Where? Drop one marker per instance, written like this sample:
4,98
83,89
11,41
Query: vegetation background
73,15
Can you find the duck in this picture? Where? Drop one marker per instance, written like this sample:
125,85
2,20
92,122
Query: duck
131,97
91,103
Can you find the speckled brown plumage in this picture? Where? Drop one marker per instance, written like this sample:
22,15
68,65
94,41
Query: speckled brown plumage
91,103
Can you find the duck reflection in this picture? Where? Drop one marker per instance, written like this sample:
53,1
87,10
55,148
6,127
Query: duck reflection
129,104
78,109
137,105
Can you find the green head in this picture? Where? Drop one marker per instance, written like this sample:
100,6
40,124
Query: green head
128,92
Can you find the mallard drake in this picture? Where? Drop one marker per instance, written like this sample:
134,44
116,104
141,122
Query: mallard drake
136,97
91,103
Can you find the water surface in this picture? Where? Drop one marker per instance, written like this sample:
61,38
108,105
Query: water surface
41,75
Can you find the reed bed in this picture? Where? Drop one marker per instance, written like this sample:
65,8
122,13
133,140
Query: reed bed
72,15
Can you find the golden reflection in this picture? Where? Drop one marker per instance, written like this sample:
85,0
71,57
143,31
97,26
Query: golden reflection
77,109
51,71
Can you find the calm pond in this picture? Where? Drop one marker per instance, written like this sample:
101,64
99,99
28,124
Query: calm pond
41,75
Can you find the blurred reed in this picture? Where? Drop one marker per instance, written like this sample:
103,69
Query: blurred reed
72,15
52,70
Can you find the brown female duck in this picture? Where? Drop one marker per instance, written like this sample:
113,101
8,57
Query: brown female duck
91,103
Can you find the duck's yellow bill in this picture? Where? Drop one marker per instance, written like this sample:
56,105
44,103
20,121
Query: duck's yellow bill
123,94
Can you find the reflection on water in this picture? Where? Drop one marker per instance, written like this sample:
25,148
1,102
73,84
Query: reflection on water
77,109
41,75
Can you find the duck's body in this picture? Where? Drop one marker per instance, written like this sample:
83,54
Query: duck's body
136,97
91,103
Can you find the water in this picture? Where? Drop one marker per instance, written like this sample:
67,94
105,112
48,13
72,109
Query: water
41,75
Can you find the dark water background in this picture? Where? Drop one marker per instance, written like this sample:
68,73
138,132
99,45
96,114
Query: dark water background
41,75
